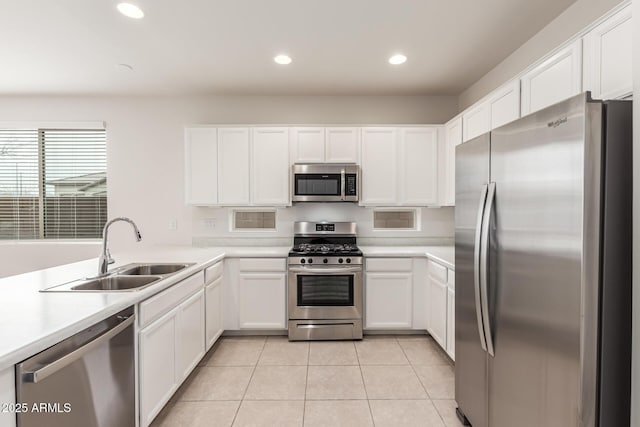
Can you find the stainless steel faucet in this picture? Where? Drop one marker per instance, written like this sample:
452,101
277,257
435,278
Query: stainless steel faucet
105,256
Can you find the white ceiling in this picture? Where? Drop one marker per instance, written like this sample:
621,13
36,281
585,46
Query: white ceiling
227,46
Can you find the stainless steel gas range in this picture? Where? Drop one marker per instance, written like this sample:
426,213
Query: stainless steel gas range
325,282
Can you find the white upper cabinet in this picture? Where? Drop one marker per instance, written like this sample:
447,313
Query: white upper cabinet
452,138
418,169
608,57
201,158
504,104
342,145
500,107
400,166
379,166
325,145
307,145
476,121
270,166
554,80
242,166
233,166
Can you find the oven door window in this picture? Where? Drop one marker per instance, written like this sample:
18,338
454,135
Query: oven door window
317,184
325,290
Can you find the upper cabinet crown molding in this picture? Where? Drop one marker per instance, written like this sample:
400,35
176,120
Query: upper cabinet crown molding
555,79
608,57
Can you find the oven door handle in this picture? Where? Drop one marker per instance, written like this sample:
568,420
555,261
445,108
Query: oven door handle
328,270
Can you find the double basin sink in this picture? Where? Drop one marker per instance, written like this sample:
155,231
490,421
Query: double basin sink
130,277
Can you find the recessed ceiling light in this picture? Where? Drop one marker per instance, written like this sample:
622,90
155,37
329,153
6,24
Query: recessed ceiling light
282,59
397,59
130,10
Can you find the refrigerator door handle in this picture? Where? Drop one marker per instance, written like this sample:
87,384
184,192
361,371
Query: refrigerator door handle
476,266
484,266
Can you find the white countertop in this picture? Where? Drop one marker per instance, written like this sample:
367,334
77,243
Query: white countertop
33,321
444,255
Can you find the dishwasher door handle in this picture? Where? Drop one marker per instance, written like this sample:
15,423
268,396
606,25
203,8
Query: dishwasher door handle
53,367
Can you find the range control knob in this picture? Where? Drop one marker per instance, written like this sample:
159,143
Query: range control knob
340,260
325,260
348,260
302,261
310,261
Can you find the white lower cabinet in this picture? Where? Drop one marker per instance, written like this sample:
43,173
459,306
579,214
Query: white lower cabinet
441,306
171,342
213,311
255,293
437,303
451,323
213,303
438,311
190,343
158,379
7,396
388,293
262,300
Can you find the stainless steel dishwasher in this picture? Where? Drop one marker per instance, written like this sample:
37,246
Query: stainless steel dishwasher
86,380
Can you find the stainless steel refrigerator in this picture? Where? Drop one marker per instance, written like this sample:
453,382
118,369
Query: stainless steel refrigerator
543,269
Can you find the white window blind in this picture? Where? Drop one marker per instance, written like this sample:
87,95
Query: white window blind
53,183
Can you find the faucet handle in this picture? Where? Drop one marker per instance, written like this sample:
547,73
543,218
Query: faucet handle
109,259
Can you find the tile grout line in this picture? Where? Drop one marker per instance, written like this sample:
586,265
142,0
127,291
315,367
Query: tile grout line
364,385
423,386
306,384
235,416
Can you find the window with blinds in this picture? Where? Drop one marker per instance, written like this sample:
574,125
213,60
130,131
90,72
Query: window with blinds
53,183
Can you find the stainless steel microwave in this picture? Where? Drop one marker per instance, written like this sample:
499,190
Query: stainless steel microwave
325,182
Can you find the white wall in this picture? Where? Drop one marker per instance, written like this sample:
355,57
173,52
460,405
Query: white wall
214,224
635,394
145,142
28,256
570,22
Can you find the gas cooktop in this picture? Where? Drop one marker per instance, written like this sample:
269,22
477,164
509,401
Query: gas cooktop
325,238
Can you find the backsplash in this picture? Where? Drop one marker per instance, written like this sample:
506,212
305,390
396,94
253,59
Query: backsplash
213,226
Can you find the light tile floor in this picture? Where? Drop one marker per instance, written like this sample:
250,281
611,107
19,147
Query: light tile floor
269,381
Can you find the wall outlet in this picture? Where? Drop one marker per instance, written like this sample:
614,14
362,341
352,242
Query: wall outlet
173,224
209,223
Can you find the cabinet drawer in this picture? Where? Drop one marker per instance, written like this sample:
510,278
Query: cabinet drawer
160,304
262,264
438,272
389,264
451,279
213,272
